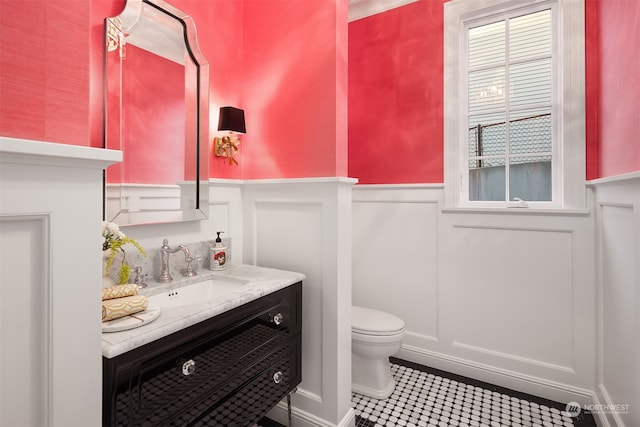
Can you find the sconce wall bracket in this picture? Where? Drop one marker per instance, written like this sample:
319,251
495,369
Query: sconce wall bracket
226,146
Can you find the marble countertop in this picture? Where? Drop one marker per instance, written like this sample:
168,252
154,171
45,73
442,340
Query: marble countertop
261,281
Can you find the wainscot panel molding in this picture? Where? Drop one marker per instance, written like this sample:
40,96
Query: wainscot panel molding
50,278
617,201
504,298
305,225
26,302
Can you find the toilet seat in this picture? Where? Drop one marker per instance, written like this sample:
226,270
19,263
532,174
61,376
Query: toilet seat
366,321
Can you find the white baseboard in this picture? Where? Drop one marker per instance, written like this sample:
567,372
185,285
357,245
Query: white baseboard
500,377
606,419
300,418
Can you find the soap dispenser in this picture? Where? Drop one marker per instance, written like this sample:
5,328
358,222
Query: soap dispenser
218,255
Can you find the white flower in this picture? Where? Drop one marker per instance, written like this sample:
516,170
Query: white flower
112,230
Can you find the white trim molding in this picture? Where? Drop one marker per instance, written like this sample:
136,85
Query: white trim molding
571,153
26,151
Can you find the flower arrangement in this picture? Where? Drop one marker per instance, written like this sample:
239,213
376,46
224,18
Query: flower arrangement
114,240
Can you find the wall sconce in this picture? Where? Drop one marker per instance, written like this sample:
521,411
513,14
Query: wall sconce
232,120
115,36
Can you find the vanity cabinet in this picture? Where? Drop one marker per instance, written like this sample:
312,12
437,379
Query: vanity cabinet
228,370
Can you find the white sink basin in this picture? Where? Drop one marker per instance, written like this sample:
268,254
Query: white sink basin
197,293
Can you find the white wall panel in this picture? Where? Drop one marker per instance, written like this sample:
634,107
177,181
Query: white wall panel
25,390
50,211
618,282
391,260
305,225
510,286
290,234
502,296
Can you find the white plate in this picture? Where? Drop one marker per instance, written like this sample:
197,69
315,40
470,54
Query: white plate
131,321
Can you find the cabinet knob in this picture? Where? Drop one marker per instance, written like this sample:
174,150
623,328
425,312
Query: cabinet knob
278,377
277,319
188,367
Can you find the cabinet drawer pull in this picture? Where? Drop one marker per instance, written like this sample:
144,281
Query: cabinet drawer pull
277,319
278,377
188,367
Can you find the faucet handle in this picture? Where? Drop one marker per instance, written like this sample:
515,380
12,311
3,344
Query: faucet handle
139,279
189,271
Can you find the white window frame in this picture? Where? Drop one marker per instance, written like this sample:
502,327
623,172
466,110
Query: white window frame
569,161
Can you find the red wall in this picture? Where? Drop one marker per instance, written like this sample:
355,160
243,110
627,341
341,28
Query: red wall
219,30
51,77
220,35
44,73
155,103
294,87
285,63
396,95
395,92
616,79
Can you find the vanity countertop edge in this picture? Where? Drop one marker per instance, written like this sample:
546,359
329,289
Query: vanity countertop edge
262,281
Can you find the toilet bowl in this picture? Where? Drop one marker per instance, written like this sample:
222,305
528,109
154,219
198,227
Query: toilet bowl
375,335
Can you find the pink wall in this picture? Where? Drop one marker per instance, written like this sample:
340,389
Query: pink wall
44,77
294,88
219,30
396,95
617,126
155,103
285,63
220,35
395,92
289,76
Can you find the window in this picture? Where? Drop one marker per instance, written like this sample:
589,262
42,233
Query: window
514,104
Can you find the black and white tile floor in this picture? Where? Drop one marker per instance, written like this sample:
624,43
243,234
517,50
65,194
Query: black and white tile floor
426,397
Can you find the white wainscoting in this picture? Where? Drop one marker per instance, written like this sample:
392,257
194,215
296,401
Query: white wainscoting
617,201
505,297
395,235
305,225
300,225
50,277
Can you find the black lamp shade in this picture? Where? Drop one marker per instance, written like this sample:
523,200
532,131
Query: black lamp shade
232,119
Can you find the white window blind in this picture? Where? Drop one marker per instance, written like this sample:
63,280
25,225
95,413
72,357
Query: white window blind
510,102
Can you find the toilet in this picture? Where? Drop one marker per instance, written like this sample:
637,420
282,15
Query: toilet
375,335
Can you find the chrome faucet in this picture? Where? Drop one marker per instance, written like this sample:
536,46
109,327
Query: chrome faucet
188,271
165,250
139,279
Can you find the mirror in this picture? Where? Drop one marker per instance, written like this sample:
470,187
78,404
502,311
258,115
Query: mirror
156,84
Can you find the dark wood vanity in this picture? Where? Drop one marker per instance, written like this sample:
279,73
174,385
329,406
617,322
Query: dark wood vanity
228,370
